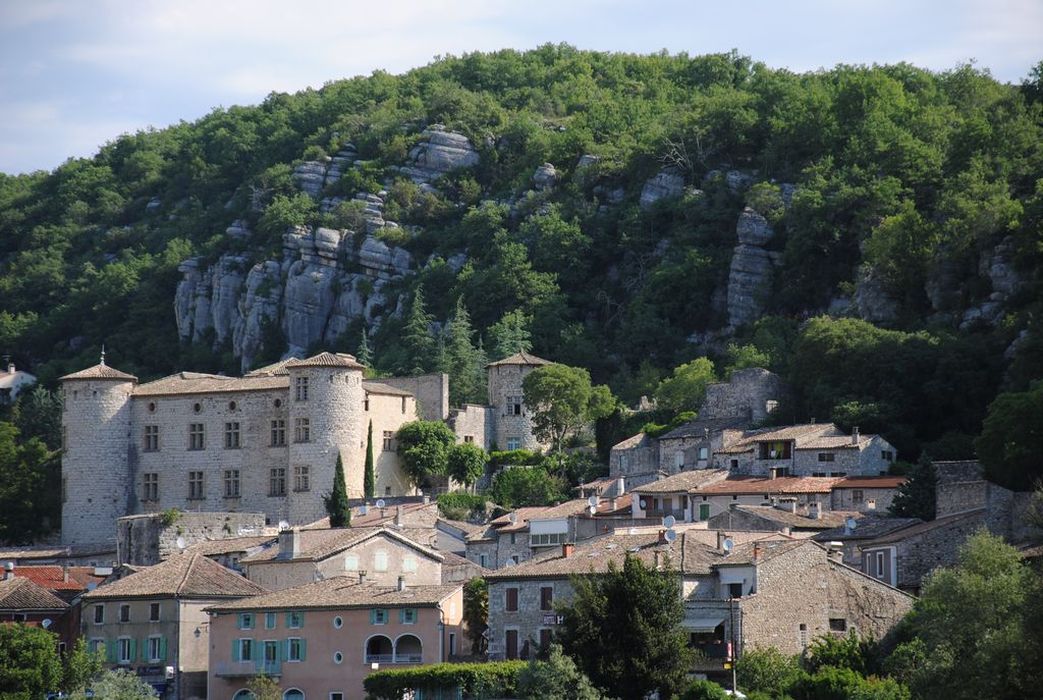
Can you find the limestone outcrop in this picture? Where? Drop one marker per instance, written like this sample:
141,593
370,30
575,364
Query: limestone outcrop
752,270
312,176
437,153
545,177
668,183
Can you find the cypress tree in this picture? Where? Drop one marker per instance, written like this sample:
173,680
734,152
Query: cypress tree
416,337
461,357
369,485
337,500
364,354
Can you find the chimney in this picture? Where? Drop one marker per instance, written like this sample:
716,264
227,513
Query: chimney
10,368
773,473
813,510
787,531
756,551
65,570
854,435
662,537
9,571
401,583
835,551
658,560
398,515
720,540
621,486
612,503
362,576
567,548
290,543
427,499
787,504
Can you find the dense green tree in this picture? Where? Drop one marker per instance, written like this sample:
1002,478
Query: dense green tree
466,462
623,628
685,389
462,361
417,341
916,497
424,448
30,487
80,667
510,335
38,413
369,484
476,614
767,670
120,684
1011,439
555,678
704,690
364,355
745,357
336,501
29,663
514,487
562,400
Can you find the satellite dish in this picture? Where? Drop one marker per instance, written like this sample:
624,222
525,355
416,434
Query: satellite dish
46,623
670,536
363,509
592,509
513,517
669,521
592,501
509,563
851,523
284,525
727,544
180,542
380,503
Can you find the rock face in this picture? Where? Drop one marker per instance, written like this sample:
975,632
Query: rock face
313,175
310,294
545,178
668,183
752,271
437,153
871,299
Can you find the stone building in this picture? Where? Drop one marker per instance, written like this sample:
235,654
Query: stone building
153,624
866,494
815,449
147,539
12,382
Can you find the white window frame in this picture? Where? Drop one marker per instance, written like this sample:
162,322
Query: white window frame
158,640
289,650
351,562
123,644
380,560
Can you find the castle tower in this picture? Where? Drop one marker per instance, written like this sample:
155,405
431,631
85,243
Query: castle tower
326,419
97,484
512,418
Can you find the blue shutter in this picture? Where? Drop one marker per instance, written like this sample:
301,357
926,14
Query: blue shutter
401,615
110,651
304,648
133,649
162,648
235,650
372,616
300,618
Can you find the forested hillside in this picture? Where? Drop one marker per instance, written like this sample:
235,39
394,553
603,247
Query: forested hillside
872,234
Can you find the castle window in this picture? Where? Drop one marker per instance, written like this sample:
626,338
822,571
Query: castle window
887,455
513,443
231,405
301,479
151,438
365,403
195,486
232,436
403,404
150,490
514,405
300,388
152,407
277,481
197,407
301,430
388,440
231,483
195,436
277,403
278,433
468,439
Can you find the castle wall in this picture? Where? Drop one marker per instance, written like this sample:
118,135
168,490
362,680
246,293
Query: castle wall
506,381
388,413
746,394
145,540
431,392
476,422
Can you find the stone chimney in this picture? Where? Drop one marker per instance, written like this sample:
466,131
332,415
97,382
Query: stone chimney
814,510
362,576
756,551
398,515
290,543
9,571
10,368
721,537
787,531
401,583
621,486
567,548
773,473
787,504
854,435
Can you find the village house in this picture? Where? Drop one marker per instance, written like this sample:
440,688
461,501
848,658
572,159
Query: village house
379,554
670,496
68,584
152,622
322,639
866,528
815,449
24,602
13,382
781,517
866,494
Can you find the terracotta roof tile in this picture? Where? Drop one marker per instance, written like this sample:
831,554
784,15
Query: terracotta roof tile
317,545
870,482
327,359
738,485
520,358
339,593
196,383
186,575
684,481
24,594
868,527
52,577
229,545
100,371
378,388
827,519
699,426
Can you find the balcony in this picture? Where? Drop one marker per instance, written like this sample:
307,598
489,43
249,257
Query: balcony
246,669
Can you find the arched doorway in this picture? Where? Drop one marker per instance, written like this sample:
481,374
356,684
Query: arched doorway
379,650
408,649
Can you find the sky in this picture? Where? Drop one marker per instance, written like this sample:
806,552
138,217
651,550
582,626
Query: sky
75,74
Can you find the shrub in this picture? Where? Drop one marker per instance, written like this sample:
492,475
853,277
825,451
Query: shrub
704,690
494,679
502,458
459,505
767,670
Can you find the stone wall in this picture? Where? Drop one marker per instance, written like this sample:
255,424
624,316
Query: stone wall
881,499
917,556
144,540
500,550
961,487
475,421
388,413
431,392
505,381
746,394
529,619
642,458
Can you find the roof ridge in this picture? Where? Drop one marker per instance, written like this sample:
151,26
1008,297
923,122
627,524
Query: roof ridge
188,570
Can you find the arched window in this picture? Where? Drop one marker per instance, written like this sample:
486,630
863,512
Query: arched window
293,694
243,694
379,649
408,649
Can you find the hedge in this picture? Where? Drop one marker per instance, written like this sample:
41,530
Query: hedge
492,679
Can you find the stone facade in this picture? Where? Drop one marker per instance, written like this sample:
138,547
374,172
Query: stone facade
529,619
512,418
751,393
473,423
144,540
431,392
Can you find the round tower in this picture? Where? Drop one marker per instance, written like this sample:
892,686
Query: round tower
96,434
512,418
326,419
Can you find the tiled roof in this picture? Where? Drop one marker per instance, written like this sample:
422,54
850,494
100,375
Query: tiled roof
23,594
378,388
921,528
684,481
374,516
793,432
196,383
327,359
229,545
760,551
699,426
339,593
316,545
835,442
520,358
868,527
453,559
827,519
52,577
870,482
276,368
738,485
186,575
100,371
639,440
8,379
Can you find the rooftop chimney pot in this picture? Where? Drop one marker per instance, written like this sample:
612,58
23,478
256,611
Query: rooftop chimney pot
567,548
854,435
401,583
362,577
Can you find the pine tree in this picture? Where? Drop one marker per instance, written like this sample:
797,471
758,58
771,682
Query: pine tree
510,335
364,354
460,356
416,337
369,485
337,500
478,367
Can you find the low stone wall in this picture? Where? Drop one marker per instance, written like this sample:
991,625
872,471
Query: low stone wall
145,540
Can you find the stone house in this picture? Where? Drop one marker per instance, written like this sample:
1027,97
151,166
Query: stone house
25,602
781,517
816,449
231,551
322,639
692,445
866,528
379,555
670,496
866,494
13,382
153,623
65,582
903,557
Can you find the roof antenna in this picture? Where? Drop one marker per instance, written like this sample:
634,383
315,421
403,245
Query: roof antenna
103,354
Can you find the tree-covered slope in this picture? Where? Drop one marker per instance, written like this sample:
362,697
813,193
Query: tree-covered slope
690,203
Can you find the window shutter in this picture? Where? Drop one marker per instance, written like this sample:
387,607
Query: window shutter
300,618
289,618
401,615
133,649
240,621
304,648
372,616
284,650
162,648
235,650
110,651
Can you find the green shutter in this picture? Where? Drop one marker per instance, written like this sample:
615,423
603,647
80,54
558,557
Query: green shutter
401,615
133,649
300,618
372,616
284,650
235,650
162,648
304,648
110,651
288,619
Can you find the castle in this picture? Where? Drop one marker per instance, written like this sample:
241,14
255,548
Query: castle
265,442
